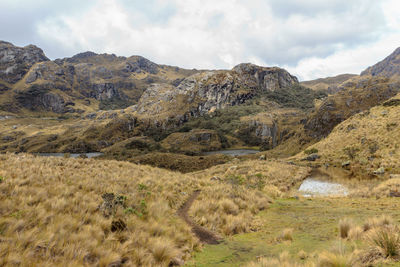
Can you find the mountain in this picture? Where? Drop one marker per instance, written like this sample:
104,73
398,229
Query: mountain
84,82
109,99
389,67
127,106
15,62
356,95
329,84
359,93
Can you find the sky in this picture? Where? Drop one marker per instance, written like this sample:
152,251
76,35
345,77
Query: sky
310,38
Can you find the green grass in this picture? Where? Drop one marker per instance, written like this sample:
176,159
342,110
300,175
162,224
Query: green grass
315,224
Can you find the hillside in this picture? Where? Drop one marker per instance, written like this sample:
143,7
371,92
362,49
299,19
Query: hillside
389,67
367,143
329,84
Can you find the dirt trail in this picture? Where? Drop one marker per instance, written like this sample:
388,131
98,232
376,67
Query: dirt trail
203,234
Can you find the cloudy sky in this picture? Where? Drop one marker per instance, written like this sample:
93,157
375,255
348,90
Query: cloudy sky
310,38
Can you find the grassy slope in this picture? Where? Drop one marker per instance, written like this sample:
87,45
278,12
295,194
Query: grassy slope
329,82
369,140
43,196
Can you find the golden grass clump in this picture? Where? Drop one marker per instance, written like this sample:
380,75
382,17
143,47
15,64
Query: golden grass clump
344,227
330,259
376,222
302,255
286,235
355,233
386,240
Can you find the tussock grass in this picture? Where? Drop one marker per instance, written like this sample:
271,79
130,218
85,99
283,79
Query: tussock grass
57,211
286,235
386,240
344,227
329,259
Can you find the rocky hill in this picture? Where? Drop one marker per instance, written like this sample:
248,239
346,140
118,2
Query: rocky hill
15,62
367,143
130,106
389,67
355,96
358,93
85,82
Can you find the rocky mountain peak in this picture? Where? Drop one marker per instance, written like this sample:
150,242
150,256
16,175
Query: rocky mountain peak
389,67
16,61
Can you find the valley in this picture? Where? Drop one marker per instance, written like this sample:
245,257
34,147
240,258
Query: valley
119,161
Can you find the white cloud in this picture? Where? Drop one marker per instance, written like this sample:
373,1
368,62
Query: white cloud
311,38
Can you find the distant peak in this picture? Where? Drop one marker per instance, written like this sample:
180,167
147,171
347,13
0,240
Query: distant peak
85,55
388,67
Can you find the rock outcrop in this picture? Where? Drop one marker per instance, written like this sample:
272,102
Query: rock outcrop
206,92
15,61
260,129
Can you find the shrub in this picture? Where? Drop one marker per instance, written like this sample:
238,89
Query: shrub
311,151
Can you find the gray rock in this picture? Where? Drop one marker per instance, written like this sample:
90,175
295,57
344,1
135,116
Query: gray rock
312,157
15,61
380,171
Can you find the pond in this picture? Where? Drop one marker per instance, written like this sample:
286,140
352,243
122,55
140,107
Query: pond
71,155
233,152
314,187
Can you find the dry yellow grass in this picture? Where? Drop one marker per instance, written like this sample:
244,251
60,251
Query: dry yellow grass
54,211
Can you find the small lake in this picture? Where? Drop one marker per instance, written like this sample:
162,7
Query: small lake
313,187
71,155
233,152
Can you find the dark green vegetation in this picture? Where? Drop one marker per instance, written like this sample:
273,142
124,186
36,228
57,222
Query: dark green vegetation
295,96
170,161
